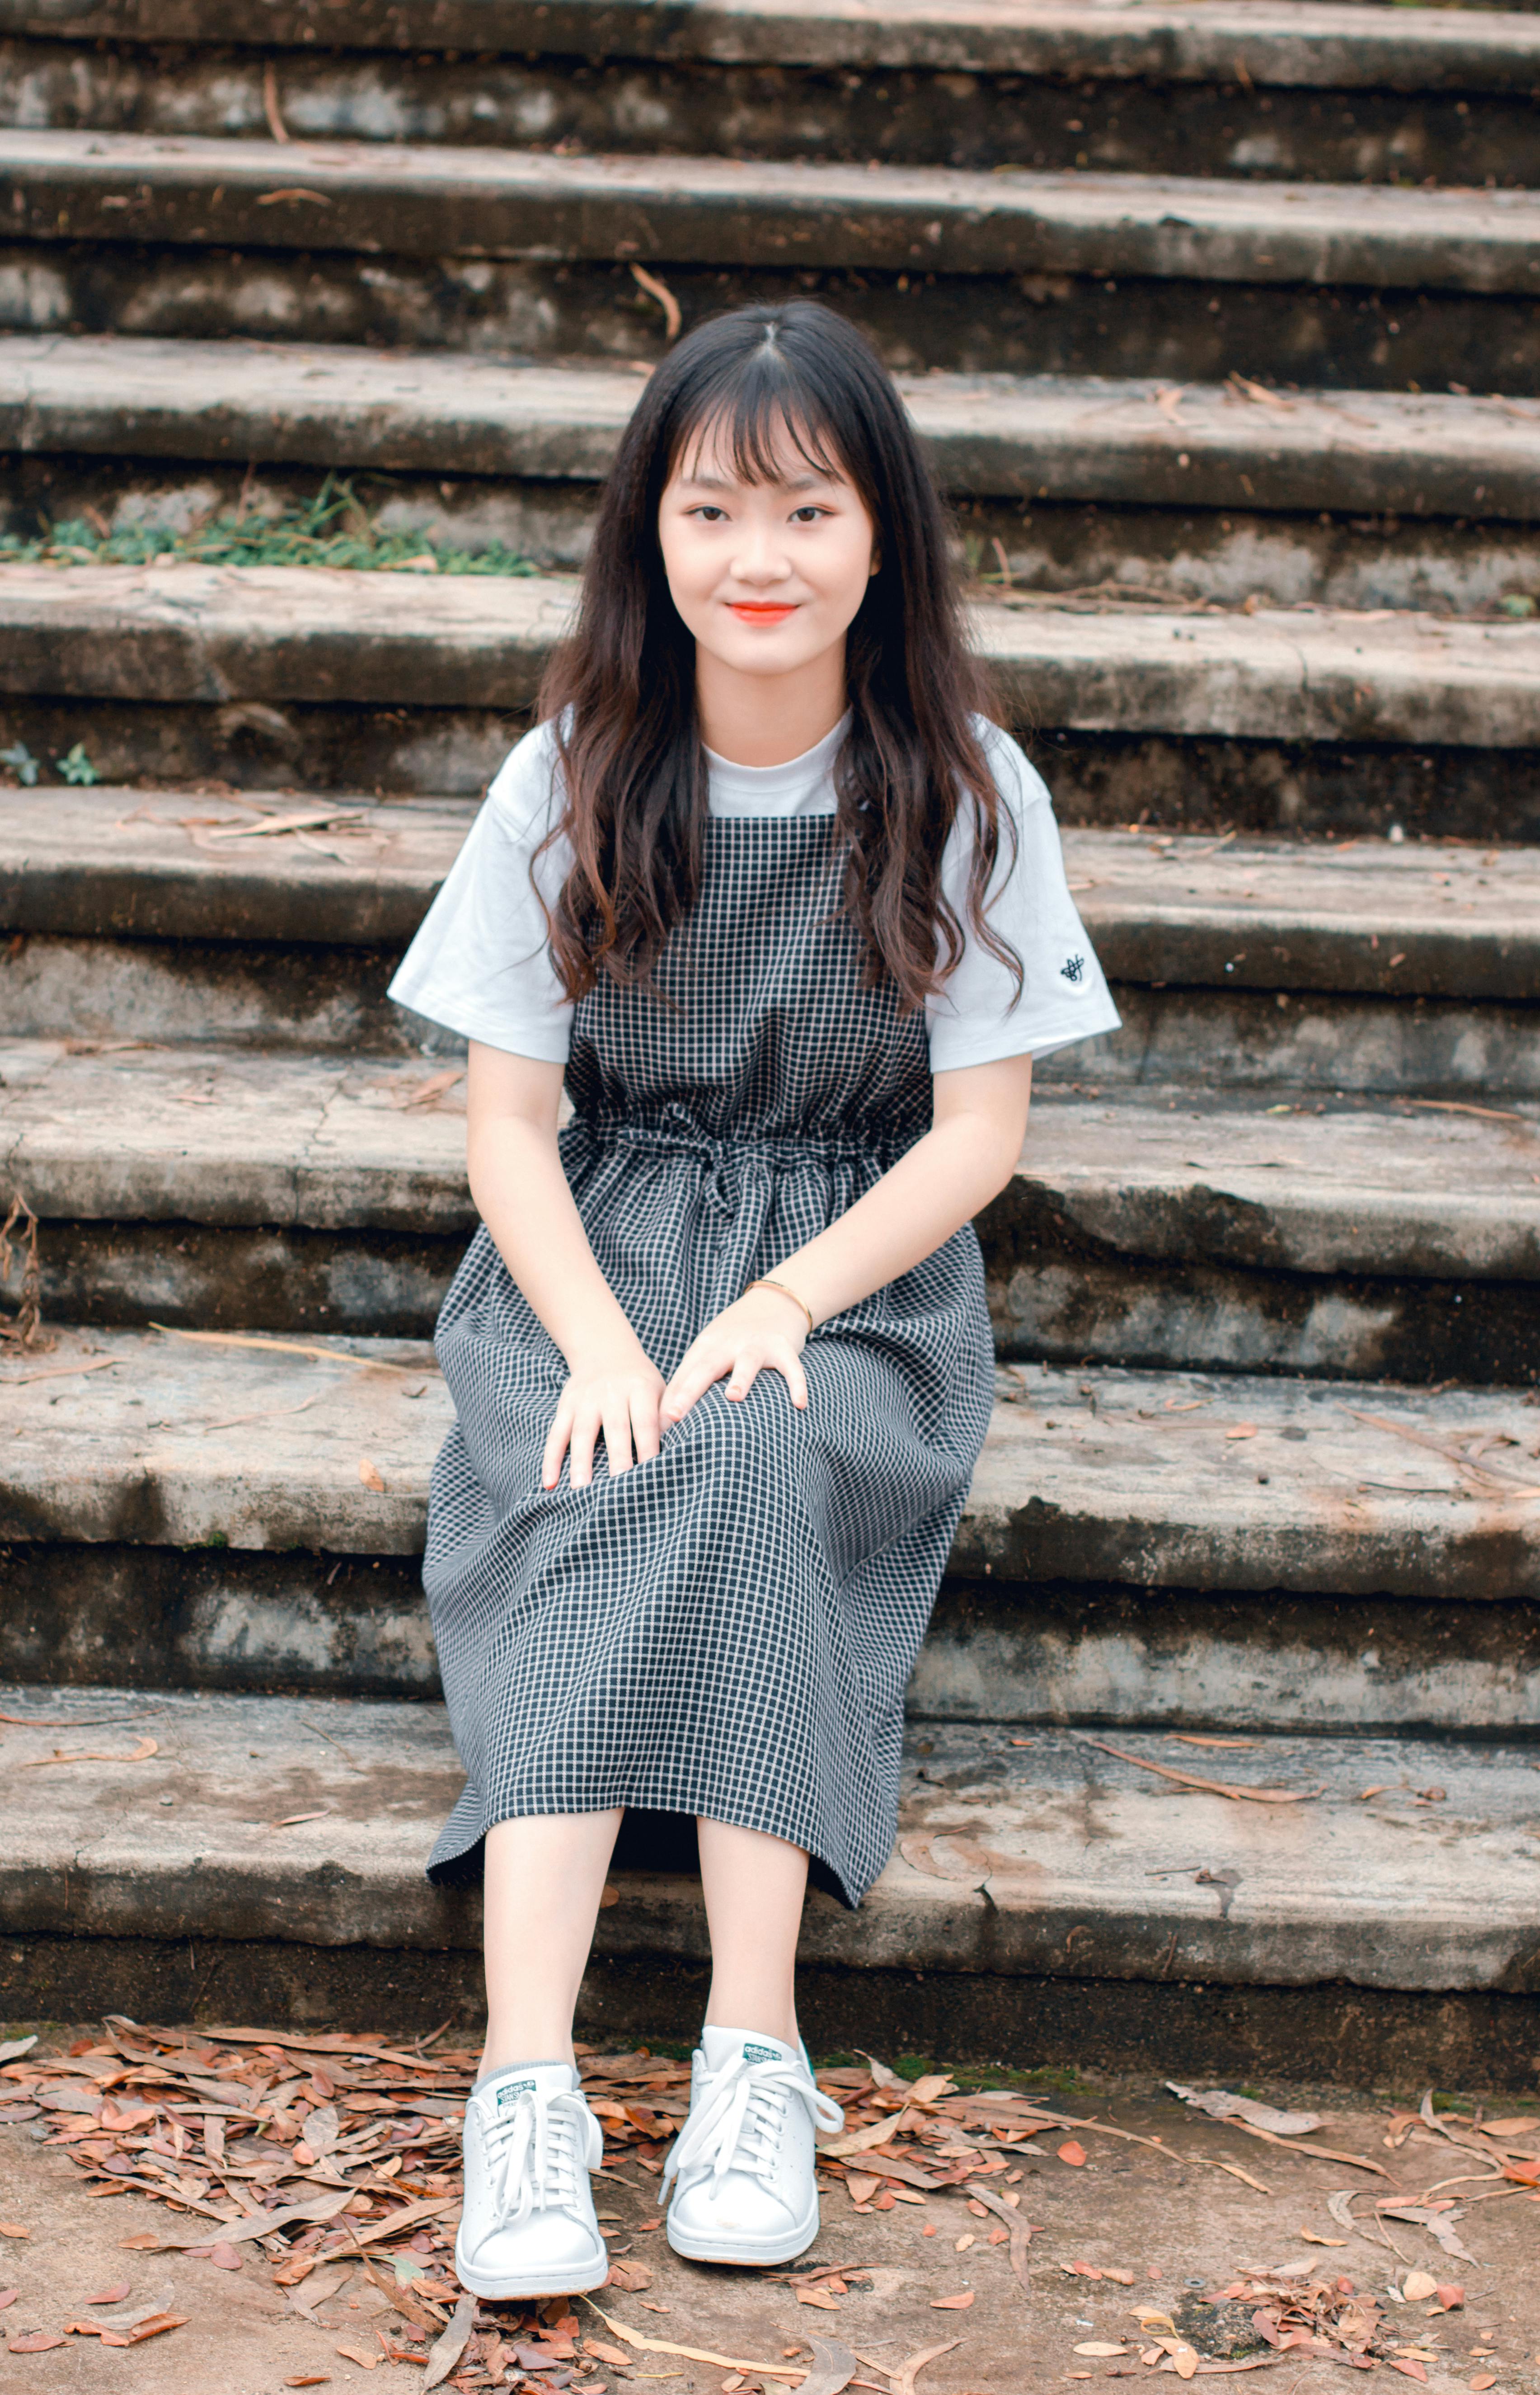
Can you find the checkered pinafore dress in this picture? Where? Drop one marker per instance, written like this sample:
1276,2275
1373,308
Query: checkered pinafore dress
726,1630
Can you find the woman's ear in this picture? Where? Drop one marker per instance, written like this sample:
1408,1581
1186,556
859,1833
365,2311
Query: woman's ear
876,566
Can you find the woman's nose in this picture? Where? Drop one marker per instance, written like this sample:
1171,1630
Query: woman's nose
760,558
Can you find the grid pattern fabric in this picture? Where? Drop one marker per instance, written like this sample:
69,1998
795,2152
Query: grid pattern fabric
728,1628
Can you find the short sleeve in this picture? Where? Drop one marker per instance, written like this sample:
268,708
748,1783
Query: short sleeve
480,964
976,1017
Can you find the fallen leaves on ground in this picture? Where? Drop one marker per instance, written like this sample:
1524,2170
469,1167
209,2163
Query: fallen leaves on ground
1220,2105
1300,2315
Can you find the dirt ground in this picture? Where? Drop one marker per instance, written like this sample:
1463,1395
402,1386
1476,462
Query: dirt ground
1184,2229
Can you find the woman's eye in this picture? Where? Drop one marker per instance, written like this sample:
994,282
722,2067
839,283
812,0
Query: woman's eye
807,514
711,515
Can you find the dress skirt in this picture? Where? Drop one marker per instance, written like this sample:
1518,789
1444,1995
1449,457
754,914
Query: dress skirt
728,1628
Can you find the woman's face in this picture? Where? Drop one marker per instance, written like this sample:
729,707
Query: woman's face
766,576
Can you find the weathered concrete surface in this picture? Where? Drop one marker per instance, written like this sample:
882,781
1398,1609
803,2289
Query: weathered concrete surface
1408,1190
1031,437
1256,914
213,634
1164,908
916,116
1482,1054
207,1135
243,993
423,201
216,635
319,1624
1325,1488
1025,1854
1317,336
111,863
1310,44
1175,554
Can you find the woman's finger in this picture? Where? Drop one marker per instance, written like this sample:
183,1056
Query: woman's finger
695,1373
584,1432
618,1432
645,1425
555,1445
744,1373
796,1380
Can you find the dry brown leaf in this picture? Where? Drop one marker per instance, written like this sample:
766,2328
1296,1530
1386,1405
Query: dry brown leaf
658,290
141,1753
371,1476
59,1373
1072,2153
1311,2238
692,2354
13,2229
306,819
424,1093
292,1347
834,2367
359,2354
446,2351
904,2381
1212,1787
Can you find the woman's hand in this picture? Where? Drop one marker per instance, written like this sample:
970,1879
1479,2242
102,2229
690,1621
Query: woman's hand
762,1332
616,1391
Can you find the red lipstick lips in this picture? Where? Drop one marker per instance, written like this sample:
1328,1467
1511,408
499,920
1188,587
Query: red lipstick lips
750,612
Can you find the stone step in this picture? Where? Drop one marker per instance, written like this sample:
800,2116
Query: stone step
139,438
1298,44
1165,909
1232,1484
213,1186
1132,443
425,201
1333,93
214,636
1247,965
1403,1922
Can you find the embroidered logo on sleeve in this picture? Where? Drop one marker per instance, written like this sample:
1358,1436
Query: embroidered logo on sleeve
1073,969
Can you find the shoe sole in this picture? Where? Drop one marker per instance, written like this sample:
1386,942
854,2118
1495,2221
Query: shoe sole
525,2284
752,2251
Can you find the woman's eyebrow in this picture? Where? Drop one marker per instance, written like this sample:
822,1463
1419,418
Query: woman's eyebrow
809,481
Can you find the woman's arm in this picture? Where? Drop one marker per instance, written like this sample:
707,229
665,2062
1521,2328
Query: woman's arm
968,1156
523,1197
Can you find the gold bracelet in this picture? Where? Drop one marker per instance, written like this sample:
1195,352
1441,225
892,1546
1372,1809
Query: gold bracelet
785,1293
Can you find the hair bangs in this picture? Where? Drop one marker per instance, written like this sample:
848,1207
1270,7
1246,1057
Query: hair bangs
761,412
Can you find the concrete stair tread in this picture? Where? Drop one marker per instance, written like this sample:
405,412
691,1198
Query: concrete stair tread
227,1136
423,199
997,1858
1462,921
1163,1478
212,635
1308,42
1061,436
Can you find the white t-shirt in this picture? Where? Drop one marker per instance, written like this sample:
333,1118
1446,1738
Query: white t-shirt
480,965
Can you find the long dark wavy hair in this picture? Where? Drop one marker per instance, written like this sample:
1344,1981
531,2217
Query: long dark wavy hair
620,692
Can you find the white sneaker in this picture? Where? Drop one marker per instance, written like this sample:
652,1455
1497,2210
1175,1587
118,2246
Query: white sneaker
528,2226
742,2168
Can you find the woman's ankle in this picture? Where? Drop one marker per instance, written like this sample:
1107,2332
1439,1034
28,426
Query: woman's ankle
522,2050
755,2021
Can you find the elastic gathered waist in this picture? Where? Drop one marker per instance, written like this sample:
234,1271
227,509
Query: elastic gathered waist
682,1132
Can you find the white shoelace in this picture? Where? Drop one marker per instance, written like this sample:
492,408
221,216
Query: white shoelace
538,2147
735,2121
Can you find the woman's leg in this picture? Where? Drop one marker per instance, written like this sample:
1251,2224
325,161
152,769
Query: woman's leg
754,1886
544,1876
